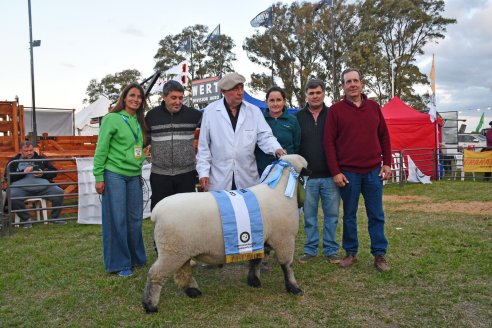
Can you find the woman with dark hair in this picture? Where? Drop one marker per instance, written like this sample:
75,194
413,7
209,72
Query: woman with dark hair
288,133
284,127
118,168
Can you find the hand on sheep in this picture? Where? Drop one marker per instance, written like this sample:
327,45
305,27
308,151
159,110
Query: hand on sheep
280,152
204,183
340,180
100,187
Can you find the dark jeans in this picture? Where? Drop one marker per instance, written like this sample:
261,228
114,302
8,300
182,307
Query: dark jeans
371,188
167,185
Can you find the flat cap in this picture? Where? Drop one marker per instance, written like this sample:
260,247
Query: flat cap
230,80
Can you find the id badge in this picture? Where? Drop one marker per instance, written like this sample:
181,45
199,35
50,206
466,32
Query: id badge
137,151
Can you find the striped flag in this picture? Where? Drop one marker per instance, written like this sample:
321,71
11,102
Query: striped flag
185,45
215,35
265,18
432,75
480,124
322,3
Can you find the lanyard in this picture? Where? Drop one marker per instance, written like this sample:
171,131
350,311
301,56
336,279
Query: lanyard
134,134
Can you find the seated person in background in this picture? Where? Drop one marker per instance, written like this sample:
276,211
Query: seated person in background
37,177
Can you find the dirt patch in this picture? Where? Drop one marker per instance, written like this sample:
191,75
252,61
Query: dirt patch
404,199
425,204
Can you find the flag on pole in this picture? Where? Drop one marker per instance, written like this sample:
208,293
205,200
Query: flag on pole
215,35
480,124
185,45
432,111
265,18
322,3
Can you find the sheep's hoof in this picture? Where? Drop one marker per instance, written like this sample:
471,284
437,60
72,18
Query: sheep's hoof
295,290
193,292
254,282
149,308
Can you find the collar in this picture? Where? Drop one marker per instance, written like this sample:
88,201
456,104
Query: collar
164,108
363,98
126,114
267,114
229,108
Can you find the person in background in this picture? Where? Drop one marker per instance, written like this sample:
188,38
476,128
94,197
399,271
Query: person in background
284,127
488,135
320,183
43,182
358,153
118,165
230,130
171,130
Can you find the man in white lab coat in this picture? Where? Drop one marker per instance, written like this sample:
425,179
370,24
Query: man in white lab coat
230,130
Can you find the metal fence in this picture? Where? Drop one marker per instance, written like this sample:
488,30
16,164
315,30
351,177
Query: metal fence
66,179
447,164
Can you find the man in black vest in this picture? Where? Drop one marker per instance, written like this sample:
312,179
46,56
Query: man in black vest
320,182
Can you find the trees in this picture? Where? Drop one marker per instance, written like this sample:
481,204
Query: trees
207,59
292,45
369,35
399,34
111,85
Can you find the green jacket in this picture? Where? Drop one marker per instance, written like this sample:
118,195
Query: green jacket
115,149
288,133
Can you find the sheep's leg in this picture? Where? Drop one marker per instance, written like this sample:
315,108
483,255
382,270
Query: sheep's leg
254,273
290,280
285,257
185,280
159,271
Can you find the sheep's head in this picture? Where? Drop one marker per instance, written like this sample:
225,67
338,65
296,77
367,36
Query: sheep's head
298,162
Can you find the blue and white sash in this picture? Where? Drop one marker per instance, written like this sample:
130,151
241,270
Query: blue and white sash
242,224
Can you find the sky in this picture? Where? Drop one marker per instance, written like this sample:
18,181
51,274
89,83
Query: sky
84,40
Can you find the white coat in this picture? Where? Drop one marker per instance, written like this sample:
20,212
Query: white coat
222,151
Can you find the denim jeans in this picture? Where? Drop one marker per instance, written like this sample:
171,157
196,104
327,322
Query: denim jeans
371,187
56,198
122,216
330,202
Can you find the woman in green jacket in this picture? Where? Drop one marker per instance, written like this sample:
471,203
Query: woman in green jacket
284,127
118,169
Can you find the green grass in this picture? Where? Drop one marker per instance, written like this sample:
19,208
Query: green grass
441,276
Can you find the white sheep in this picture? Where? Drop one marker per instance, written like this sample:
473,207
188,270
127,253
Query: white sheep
189,225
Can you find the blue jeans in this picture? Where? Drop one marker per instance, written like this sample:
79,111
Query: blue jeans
330,202
122,216
371,187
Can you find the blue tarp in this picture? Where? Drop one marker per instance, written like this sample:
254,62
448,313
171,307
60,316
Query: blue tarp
263,106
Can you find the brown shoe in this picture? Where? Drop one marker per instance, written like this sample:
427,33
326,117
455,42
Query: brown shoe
347,261
381,264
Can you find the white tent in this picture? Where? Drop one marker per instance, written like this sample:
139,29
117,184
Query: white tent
83,118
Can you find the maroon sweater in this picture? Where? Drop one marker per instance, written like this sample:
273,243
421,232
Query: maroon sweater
355,138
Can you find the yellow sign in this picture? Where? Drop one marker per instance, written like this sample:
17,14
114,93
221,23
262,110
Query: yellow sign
477,162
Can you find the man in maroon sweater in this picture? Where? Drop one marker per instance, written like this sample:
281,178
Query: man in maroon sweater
356,141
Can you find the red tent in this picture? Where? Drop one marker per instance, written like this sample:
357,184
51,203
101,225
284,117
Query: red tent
413,133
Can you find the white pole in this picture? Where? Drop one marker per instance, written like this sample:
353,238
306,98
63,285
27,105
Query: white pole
392,63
